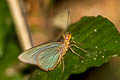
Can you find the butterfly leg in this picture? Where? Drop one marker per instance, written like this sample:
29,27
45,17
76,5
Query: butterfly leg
78,47
76,53
63,64
72,41
60,63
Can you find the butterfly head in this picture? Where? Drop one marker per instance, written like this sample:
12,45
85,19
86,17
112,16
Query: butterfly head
67,36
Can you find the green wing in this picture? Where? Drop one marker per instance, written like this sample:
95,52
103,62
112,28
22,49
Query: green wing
49,58
30,55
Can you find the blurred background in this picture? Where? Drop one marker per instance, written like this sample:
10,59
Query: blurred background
39,13
27,23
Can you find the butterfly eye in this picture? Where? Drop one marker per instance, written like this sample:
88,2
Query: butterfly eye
67,37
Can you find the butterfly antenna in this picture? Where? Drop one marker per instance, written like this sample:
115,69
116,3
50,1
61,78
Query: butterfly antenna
68,18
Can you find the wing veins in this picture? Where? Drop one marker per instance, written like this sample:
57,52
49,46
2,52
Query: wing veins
46,65
51,59
47,56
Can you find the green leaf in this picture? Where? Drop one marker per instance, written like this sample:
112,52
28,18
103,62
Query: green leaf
98,36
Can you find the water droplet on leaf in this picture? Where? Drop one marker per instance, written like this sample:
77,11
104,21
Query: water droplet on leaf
82,61
95,30
96,47
116,41
100,51
102,56
94,58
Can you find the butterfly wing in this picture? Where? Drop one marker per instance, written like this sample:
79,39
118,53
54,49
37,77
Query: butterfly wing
30,55
49,58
